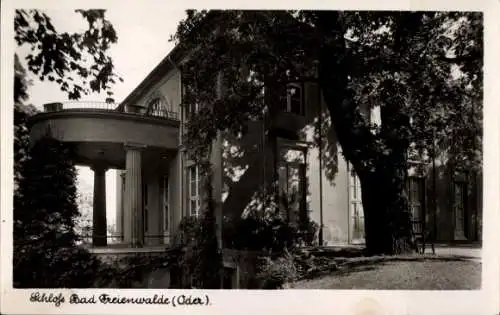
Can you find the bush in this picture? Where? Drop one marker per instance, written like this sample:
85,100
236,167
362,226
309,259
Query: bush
257,233
46,254
41,267
275,273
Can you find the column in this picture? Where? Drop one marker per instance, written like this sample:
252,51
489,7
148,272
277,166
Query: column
120,194
133,229
177,192
99,227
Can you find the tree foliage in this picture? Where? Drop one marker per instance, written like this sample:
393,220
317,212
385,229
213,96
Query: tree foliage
422,70
45,243
78,62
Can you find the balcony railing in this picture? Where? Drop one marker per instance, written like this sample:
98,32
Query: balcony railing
97,106
104,106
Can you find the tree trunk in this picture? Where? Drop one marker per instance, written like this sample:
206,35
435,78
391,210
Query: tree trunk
379,159
386,211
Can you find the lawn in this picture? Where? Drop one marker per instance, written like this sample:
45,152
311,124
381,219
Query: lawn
400,273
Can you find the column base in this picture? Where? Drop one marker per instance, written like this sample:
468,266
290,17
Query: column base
100,242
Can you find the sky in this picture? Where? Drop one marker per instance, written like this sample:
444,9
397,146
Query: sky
143,41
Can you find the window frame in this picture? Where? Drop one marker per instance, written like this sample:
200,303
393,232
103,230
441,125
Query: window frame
145,200
356,210
462,186
416,194
287,106
285,186
196,198
190,110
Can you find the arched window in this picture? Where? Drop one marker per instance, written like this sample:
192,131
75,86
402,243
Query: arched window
161,106
156,107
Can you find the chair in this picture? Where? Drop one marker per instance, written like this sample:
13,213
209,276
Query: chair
422,236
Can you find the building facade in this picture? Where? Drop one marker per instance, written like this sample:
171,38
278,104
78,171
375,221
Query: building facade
313,176
157,184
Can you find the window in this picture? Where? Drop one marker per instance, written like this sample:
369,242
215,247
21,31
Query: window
156,108
292,183
190,110
166,213
416,197
356,208
194,191
188,91
459,208
123,182
145,205
294,99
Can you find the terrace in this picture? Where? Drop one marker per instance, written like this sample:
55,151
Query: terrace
107,136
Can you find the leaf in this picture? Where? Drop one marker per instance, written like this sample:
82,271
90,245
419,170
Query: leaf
59,54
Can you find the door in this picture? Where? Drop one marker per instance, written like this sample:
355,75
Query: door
356,214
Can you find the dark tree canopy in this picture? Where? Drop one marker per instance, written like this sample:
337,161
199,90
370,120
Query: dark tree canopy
428,63
422,70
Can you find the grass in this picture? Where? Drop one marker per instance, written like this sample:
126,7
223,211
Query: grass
400,273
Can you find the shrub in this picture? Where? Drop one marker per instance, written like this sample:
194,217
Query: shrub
46,254
258,233
275,273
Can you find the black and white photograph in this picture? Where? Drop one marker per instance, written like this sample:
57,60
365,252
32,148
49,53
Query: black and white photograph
269,150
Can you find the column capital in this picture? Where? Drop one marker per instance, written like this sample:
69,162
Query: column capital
134,146
96,167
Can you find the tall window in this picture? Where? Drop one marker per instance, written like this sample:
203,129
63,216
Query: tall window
459,208
190,110
293,103
356,209
194,190
292,183
145,205
166,213
416,197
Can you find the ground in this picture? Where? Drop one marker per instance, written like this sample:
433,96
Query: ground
450,269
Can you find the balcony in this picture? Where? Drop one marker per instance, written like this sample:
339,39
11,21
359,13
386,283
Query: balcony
109,107
99,130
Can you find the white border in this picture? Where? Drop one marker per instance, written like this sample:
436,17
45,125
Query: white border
484,301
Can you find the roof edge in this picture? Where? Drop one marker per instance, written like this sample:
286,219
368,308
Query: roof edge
166,65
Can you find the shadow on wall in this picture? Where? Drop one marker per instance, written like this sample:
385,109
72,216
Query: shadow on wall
249,160
245,169
319,132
